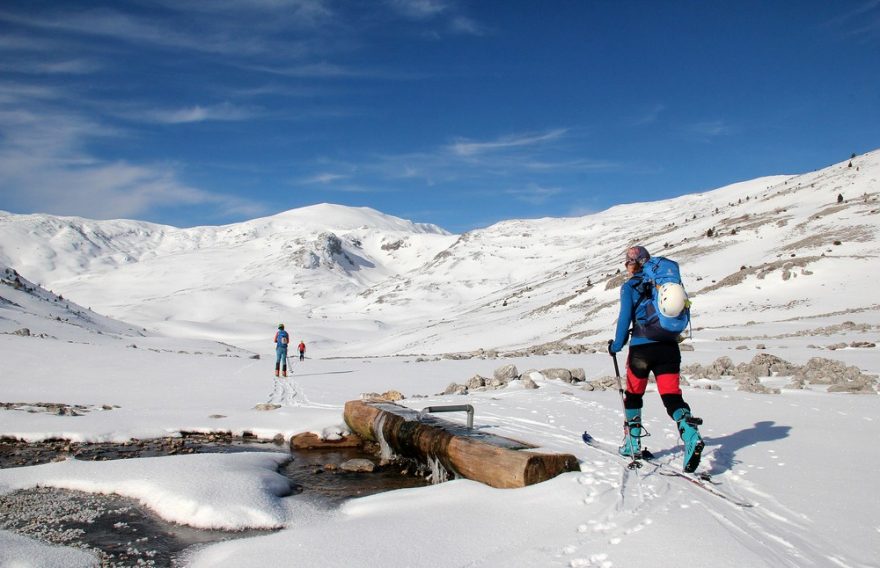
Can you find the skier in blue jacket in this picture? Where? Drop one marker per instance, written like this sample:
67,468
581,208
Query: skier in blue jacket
282,338
663,358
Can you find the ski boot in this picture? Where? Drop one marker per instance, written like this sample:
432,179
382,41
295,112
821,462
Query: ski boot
284,372
632,443
690,436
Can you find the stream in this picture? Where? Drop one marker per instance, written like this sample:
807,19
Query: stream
125,533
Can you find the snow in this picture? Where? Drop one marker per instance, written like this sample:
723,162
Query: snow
804,458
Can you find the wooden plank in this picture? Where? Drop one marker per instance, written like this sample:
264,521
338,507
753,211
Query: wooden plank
487,458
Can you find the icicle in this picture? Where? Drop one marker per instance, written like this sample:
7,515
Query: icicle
385,451
439,474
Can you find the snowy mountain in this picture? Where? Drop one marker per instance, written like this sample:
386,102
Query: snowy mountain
780,270
355,281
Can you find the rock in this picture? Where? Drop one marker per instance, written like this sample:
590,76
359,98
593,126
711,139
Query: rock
267,406
863,344
278,439
837,375
387,396
392,396
476,382
836,346
528,383
455,388
311,441
358,465
753,384
24,332
506,373
685,347
560,374
578,375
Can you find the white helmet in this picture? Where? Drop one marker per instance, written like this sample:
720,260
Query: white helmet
671,299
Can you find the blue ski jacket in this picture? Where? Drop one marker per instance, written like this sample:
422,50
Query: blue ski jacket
630,298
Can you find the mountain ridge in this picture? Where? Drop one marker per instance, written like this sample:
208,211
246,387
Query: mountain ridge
370,283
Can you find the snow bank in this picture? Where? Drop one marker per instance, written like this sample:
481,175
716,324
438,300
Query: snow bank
209,491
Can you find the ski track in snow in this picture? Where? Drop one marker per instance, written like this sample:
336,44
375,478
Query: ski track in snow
286,392
770,529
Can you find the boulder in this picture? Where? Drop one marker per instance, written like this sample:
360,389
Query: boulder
506,373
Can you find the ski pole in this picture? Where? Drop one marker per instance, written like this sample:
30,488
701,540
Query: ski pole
617,374
634,463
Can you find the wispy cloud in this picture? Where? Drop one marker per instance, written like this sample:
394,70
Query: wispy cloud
526,164
199,113
708,130
323,179
534,194
647,116
471,148
208,35
862,21
59,67
447,14
419,9
46,166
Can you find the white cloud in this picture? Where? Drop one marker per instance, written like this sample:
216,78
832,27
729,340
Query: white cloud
709,129
60,67
323,178
534,194
469,148
466,26
648,116
45,166
419,9
199,113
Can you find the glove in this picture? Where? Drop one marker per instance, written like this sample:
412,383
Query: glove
612,348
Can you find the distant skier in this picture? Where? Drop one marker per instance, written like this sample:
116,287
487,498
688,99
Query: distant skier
662,357
282,338
302,350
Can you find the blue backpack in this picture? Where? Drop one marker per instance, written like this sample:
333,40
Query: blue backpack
663,312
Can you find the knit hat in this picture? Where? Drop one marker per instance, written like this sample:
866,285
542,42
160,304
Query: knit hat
638,254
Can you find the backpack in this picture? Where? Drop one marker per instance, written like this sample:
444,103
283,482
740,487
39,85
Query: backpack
663,311
282,338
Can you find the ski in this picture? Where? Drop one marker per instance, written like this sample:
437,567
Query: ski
702,480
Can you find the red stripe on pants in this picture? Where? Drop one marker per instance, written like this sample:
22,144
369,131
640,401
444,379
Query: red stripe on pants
668,384
634,384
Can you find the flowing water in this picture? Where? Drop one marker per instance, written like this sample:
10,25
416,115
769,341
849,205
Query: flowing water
125,533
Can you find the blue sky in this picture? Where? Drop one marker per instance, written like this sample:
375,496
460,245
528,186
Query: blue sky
191,112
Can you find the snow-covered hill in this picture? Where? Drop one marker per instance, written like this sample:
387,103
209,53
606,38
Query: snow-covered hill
355,281
771,284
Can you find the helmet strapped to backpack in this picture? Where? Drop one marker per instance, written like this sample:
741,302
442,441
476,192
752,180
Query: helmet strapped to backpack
671,299
663,312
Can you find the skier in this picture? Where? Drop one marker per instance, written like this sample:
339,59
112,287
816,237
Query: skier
302,350
282,338
663,358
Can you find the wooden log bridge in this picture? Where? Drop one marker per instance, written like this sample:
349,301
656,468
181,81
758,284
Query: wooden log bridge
487,458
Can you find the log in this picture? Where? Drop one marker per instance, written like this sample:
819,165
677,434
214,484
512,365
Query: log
494,460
